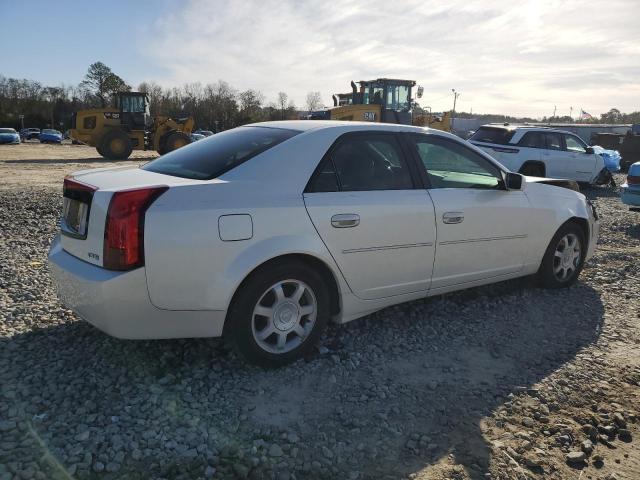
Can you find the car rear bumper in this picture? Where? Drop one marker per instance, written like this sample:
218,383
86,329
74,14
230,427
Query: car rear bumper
118,302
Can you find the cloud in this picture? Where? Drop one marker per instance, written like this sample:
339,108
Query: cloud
505,56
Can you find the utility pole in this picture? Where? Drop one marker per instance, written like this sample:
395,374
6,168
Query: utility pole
455,98
571,113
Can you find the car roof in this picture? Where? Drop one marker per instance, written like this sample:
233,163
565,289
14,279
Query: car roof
525,127
308,125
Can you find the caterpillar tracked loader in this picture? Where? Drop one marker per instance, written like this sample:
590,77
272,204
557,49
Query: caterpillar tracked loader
116,131
386,100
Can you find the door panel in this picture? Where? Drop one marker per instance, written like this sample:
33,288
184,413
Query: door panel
481,226
487,242
386,244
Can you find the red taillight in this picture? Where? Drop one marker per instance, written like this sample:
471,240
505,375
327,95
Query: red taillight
124,228
71,183
633,179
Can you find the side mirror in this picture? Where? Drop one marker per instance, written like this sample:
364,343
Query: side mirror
590,150
513,181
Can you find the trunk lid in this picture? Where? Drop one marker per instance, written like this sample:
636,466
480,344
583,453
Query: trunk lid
86,199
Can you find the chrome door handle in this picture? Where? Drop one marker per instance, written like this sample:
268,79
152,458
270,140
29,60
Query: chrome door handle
345,220
453,217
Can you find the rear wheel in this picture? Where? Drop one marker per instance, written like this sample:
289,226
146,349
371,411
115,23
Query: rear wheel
564,258
279,314
116,145
174,141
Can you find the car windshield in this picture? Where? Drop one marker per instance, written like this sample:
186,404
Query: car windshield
501,136
51,132
211,157
7,130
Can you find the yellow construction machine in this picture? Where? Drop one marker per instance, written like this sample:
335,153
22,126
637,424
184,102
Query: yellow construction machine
116,131
386,100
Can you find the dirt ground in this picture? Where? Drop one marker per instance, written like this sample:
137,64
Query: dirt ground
34,164
507,381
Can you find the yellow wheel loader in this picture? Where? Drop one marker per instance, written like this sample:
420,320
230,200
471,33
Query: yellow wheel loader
386,100
116,131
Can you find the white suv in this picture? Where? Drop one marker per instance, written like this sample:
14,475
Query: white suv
542,152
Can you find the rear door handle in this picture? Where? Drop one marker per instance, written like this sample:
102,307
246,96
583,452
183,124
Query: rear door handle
345,220
452,217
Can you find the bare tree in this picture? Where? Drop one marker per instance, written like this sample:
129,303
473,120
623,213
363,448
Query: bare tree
283,98
314,101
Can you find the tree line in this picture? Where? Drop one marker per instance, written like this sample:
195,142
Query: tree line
214,106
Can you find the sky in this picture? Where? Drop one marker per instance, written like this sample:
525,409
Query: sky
516,57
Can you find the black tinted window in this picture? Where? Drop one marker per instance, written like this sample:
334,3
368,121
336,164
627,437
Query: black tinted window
325,179
501,136
211,157
371,162
532,139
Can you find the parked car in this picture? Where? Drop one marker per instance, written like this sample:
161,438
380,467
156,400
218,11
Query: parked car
266,231
197,136
206,133
50,136
9,135
630,190
542,152
29,133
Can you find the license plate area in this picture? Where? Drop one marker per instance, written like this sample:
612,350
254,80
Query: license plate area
76,206
75,217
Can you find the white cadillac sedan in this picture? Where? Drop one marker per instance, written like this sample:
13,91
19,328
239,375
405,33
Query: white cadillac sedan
265,232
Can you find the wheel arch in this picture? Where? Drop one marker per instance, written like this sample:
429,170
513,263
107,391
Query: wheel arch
584,225
314,262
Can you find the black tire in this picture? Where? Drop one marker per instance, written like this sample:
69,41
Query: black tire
532,170
551,270
99,150
174,141
241,322
116,145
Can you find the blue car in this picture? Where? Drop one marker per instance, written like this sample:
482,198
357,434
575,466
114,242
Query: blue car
9,135
611,158
50,136
630,190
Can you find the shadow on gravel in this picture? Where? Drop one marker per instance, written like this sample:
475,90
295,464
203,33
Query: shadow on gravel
397,392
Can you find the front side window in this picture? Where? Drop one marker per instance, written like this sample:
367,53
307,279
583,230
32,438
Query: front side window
449,164
554,141
574,144
363,163
211,157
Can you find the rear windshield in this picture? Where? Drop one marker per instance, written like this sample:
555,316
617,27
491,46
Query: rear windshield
501,136
7,130
211,157
52,132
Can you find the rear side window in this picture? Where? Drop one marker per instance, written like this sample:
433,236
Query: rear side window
363,162
211,157
533,140
501,136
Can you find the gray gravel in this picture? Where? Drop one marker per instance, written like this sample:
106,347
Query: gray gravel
504,381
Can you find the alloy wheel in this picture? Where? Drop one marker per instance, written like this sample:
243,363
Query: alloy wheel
284,316
567,255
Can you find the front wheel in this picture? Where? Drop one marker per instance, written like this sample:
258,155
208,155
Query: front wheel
564,258
279,314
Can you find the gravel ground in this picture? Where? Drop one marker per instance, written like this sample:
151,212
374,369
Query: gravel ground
501,382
